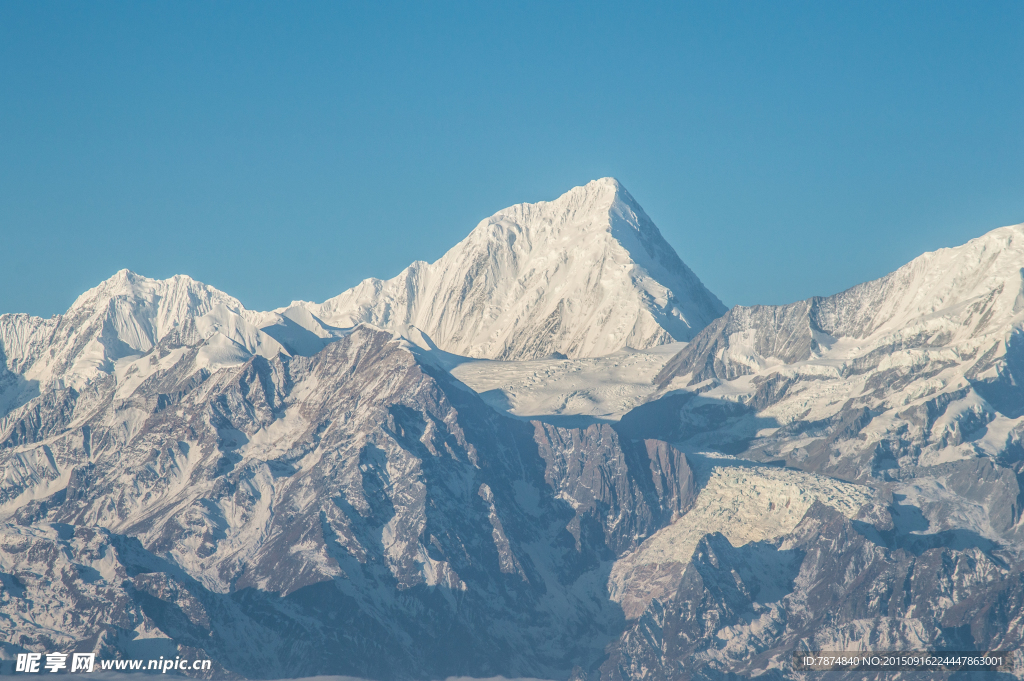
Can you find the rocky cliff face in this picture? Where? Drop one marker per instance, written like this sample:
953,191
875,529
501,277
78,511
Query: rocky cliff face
361,499
831,584
906,389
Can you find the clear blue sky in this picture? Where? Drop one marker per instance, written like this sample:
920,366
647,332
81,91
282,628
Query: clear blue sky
285,151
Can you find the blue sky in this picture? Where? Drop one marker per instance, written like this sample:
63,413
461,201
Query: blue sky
284,151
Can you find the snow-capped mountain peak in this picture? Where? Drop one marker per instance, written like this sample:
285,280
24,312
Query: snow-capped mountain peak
583,275
123,317
988,267
144,310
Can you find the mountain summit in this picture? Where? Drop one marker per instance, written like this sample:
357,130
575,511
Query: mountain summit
583,275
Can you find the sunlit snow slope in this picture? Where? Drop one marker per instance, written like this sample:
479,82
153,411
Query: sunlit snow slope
605,387
584,275
122,319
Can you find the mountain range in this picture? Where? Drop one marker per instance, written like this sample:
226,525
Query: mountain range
552,453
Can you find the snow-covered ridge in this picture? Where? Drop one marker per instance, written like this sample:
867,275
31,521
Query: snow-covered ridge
145,310
123,319
953,296
584,275
914,376
989,268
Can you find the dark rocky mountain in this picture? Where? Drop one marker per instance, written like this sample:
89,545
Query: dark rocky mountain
360,502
